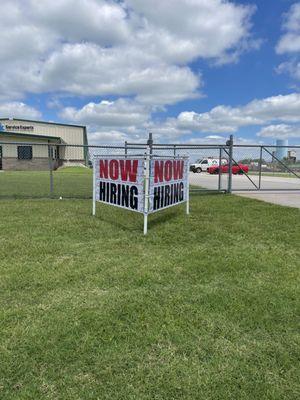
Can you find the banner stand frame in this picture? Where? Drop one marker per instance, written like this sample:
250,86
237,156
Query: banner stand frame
187,190
94,191
147,187
147,172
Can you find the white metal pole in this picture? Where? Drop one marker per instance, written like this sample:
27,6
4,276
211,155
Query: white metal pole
94,186
147,185
145,224
187,187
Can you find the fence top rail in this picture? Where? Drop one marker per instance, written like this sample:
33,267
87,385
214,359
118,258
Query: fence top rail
189,148
210,146
142,155
157,146
117,155
271,146
177,145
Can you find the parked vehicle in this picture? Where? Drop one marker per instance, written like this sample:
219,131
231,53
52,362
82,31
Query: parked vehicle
205,163
236,169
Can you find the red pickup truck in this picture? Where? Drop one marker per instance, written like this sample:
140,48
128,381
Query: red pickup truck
236,169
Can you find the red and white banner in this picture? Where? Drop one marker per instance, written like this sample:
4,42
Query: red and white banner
141,184
168,183
120,182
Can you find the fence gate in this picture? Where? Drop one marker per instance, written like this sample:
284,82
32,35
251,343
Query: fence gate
269,168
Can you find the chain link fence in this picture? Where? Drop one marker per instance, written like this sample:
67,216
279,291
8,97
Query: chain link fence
39,170
201,158
269,168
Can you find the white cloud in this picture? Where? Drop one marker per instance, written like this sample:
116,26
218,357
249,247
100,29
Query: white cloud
122,119
116,72
98,21
167,130
290,41
291,67
214,137
129,48
119,113
280,131
126,49
129,119
183,30
132,120
18,110
107,137
229,119
112,121
292,18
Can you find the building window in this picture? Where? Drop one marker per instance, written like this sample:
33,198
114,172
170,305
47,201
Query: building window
55,153
25,152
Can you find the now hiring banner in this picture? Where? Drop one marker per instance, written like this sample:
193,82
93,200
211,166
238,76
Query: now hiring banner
144,184
168,183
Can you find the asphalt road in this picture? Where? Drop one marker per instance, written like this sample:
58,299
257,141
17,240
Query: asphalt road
290,198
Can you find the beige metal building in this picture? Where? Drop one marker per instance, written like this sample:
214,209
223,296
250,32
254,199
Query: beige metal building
27,144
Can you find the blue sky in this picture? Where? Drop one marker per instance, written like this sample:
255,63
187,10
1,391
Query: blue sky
190,71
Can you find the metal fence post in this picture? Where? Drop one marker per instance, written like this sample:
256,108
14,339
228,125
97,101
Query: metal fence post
150,143
148,157
125,149
174,150
260,163
50,169
230,144
220,170
188,187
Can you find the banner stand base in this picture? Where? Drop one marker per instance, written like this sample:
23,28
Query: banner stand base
145,224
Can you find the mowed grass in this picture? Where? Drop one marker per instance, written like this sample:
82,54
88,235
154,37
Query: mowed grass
69,182
205,307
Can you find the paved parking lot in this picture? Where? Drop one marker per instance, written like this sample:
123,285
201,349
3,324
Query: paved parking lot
290,198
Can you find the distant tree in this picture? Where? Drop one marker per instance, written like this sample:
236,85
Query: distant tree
251,160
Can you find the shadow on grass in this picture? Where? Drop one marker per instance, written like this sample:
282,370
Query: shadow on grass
163,216
133,221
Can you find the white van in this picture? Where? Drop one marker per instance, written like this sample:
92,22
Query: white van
205,163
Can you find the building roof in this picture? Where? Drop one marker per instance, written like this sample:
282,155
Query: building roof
41,122
30,135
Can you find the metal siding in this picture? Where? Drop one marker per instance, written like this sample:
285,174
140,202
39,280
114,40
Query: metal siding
69,135
10,150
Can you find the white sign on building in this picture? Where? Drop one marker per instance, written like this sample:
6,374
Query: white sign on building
144,184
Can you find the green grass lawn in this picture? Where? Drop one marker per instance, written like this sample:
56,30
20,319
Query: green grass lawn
68,182
205,307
